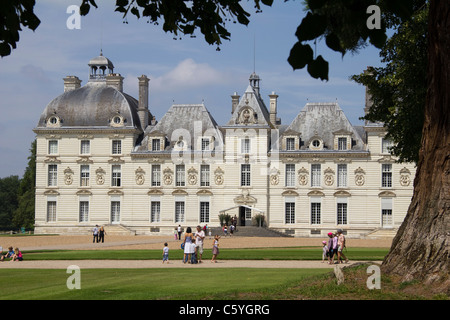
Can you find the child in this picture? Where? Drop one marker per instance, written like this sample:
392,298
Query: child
215,250
166,253
324,251
193,252
17,255
9,254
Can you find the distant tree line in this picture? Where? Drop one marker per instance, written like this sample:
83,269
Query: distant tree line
17,197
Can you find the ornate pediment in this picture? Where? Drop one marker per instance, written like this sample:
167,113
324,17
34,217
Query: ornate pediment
387,194
247,116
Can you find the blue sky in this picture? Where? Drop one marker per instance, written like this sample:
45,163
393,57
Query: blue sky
180,71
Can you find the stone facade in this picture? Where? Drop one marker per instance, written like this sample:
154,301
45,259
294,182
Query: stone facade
102,158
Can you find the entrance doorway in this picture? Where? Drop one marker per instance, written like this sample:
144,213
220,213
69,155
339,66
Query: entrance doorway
245,216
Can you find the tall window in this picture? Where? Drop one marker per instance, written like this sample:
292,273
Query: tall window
52,146
386,212
179,211
84,176
245,145
386,175
342,175
245,175
155,215
51,211
204,212
342,213
289,209
115,211
342,143
290,175
315,175
52,175
204,175
156,175
315,212
386,145
85,147
180,179
116,147
84,211
290,144
116,178
156,145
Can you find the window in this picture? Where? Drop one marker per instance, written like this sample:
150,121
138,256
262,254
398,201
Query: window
386,212
386,145
85,147
245,175
290,175
204,175
156,175
116,180
342,176
290,144
84,211
179,211
204,212
342,213
115,211
205,144
289,212
53,147
52,175
116,147
51,211
180,176
156,145
155,214
315,175
386,175
315,212
84,176
245,145
342,143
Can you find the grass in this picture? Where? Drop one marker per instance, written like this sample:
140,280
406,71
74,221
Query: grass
296,253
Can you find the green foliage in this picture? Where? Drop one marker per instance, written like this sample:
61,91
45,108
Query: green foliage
13,16
8,199
398,90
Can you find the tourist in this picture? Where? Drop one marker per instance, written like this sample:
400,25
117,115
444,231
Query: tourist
225,230
17,256
9,254
193,250
95,234
188,236
215,250
179,232
332,247
341,246
101,234
199,237
325,252
166,253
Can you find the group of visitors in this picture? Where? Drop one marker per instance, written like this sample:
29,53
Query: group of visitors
334,247
192,245
98,234
13,254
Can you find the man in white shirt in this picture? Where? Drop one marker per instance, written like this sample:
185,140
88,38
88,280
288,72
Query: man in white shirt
199,236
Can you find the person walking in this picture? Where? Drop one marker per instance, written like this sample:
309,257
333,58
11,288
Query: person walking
215,250
341,246
325,251
179,232
166,253
199,237
332,247
101,234
188,236
95,234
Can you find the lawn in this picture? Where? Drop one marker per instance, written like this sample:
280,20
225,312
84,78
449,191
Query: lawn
296,253
140,284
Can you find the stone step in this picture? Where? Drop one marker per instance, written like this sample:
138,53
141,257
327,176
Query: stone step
250,231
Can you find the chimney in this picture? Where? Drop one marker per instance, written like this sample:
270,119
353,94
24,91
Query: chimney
115,80
234,102
71,83
143,101
273,107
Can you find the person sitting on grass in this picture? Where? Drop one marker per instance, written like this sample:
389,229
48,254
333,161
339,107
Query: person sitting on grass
17,256
9,254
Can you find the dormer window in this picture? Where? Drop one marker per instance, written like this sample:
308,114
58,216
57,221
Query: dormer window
290,144
117,121
342,143
156,144
54,121
316,144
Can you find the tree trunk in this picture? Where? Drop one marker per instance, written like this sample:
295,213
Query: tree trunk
421,247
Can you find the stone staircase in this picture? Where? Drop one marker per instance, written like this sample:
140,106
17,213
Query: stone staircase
251,231
382,233
118,229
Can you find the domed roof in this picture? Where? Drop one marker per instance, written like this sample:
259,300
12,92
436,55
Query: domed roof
95,105
101,61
